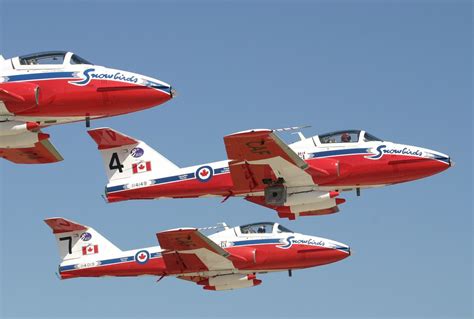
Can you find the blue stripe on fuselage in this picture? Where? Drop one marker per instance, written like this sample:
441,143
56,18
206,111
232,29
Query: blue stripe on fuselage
40,76
257,242
181,177
108,262
349,151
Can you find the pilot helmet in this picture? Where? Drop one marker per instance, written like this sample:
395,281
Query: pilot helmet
345,137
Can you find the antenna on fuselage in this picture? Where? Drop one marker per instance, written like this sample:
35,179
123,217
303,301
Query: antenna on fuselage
292,128
300,135
219,225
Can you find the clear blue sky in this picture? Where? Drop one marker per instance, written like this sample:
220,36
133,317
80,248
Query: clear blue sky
401,70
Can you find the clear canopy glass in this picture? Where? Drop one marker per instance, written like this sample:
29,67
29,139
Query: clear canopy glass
263,228
50,58
348,136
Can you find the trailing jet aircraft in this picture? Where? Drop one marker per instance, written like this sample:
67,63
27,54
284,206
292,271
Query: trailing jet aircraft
49,88
229,259
304,178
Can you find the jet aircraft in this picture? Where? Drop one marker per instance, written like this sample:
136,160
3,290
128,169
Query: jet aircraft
49,88
229,259
304,178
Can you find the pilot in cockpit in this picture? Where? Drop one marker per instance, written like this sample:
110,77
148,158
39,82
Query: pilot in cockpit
261,229
345,138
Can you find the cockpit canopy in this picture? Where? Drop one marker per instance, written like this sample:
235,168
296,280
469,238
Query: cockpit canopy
51,58
263,228
347,136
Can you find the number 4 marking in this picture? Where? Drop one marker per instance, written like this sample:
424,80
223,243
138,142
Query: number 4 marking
115,163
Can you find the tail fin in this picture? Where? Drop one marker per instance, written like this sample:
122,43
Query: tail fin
126,157
75,240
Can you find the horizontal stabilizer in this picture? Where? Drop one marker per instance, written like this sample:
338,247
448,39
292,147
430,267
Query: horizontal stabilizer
62,225
109,138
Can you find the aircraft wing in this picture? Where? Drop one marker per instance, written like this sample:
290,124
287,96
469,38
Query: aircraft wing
186,250
39,152
230,281
260,155
328,205
259,158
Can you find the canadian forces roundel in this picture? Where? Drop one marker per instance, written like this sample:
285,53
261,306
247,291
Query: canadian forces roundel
204,173
142,257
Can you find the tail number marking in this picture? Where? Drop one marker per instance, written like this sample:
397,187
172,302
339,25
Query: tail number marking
115,163
69,239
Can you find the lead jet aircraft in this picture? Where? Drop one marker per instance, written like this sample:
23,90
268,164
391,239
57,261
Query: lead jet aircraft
229,259
49,88
304,178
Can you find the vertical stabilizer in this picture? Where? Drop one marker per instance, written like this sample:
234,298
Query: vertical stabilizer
126,157
76,241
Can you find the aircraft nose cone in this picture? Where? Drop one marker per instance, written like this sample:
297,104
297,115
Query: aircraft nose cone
340,250
173,92
346,251
444,161
426,163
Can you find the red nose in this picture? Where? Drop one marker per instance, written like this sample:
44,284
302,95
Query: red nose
127,97
416,169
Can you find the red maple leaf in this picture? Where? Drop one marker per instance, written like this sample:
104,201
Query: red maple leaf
90,249
204,173
142,256
141,166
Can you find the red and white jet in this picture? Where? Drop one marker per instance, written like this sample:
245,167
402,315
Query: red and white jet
50,88
226,260
304,178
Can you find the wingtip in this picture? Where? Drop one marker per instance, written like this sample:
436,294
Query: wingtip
255,130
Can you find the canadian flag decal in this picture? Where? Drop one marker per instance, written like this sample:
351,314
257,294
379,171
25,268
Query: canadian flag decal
90,250
141,167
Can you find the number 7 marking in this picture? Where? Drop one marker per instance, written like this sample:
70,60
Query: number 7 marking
69,239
